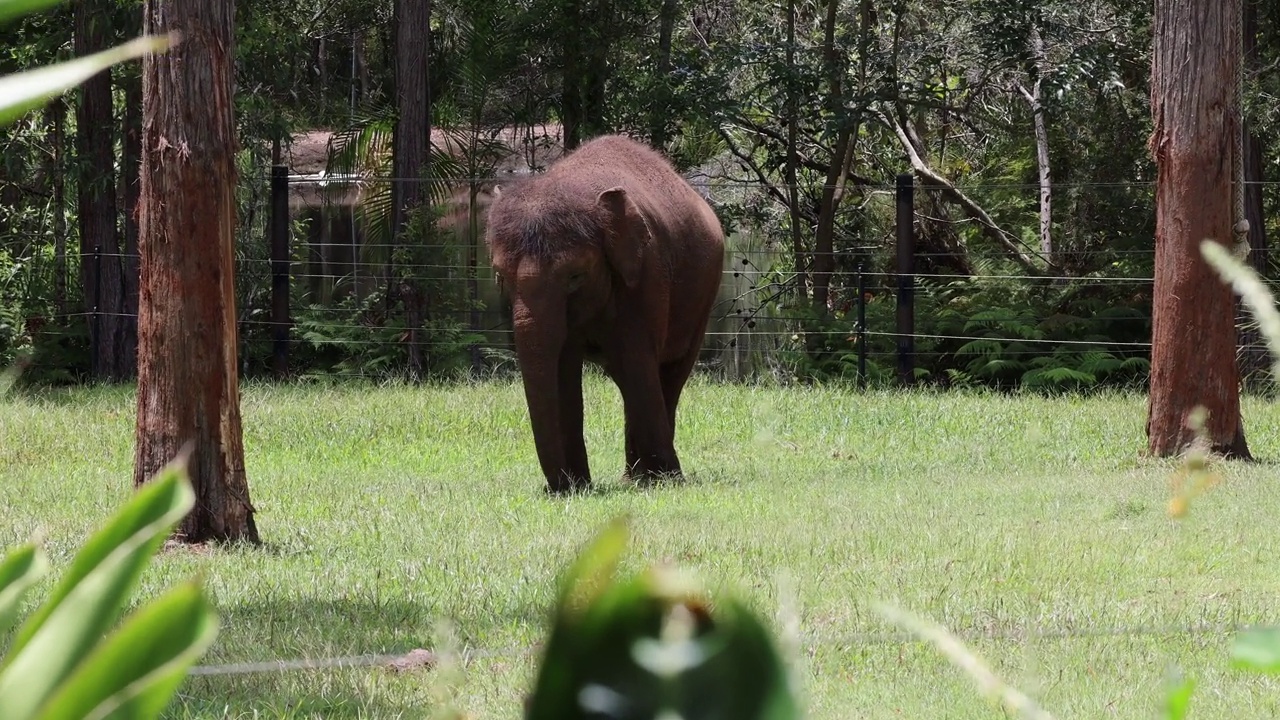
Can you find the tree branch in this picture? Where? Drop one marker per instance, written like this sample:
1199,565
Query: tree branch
993,231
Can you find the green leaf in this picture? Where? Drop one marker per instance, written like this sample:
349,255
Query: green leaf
29,90
90,596
1177,698
20,570
135,672
594,569
10,9
1257,650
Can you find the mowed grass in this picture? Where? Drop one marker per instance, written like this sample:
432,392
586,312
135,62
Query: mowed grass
396,516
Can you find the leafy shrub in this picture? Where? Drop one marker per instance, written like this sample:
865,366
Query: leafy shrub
59,665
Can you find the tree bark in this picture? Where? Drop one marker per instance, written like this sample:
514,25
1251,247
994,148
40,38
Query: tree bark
571,75
659,114
793,159
833,185
131,166
411,146
1255,173
1194,73
1033,97
596,74
100,267
411,151
57,117
188,389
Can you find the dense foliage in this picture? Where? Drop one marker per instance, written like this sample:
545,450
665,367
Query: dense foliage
1024,122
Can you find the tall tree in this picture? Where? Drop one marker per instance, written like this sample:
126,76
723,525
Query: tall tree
188,389
411,147
1194,76
101,270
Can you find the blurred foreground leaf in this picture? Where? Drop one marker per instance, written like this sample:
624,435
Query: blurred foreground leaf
653,646
59,665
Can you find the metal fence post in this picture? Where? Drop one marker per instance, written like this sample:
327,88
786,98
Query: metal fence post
280,270
906,278
862,329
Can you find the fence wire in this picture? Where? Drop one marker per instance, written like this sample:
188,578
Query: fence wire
427,658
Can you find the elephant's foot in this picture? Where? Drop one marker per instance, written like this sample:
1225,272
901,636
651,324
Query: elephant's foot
648,474
567,484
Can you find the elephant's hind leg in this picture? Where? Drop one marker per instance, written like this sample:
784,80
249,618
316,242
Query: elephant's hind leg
650,448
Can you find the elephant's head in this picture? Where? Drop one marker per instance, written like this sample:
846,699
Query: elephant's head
562,256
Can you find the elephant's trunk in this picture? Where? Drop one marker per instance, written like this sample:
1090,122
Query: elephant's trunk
540,336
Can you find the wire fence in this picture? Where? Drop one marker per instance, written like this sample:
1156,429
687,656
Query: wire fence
425,658
320,290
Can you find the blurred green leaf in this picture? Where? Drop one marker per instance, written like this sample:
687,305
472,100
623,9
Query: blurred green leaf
135,672
20,570
90,596
26,91
1257,650
1177,698
650,646
595,567
10,9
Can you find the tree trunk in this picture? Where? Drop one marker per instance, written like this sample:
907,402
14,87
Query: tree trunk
1194,73
100,267
659,114
132,191
1033,97
1255,174
1254,357
188,390
823,260
793,159
411,151
57,114
411,158
594,103
571,76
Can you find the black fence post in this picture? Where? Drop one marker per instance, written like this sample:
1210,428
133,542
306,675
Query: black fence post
862,329
906,278
280,270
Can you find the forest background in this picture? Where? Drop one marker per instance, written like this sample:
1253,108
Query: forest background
1024,123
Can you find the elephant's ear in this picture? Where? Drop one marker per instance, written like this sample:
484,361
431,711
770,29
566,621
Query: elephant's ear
629,235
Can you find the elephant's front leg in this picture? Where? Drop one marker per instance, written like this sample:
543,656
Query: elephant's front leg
575,446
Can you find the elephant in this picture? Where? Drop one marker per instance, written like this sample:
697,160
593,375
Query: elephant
609,257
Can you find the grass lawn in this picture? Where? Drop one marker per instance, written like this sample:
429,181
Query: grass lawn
1031,527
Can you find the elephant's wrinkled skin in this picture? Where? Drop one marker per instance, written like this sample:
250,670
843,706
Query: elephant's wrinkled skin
609,256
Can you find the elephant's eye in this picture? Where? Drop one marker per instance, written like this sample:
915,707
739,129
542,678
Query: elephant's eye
575,280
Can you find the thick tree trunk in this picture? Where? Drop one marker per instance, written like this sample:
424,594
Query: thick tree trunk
1194,73
411,158
188,390
411,151
100,267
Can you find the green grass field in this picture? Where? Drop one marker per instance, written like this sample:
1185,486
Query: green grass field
1031,527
